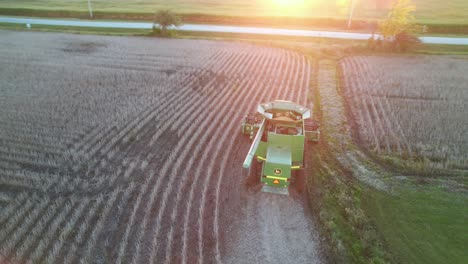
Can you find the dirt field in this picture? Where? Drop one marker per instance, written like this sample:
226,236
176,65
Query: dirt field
128,150
414,106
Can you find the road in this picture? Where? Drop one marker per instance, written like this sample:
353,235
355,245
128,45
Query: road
224,29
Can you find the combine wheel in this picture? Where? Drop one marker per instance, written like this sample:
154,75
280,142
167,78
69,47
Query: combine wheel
253,178
300,182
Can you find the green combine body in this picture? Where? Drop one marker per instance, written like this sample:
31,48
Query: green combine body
279,131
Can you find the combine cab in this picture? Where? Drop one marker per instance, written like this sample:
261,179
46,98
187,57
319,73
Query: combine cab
279,131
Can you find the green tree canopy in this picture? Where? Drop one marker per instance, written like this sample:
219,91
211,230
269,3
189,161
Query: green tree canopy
399,19
165,19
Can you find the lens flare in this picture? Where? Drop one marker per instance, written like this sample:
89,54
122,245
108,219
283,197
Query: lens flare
288,3
286,7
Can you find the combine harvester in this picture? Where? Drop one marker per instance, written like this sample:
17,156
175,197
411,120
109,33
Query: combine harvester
279,131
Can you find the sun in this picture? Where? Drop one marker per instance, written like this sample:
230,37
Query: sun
288,3
286,7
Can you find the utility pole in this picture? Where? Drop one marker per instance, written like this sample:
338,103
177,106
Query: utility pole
90,8
351,12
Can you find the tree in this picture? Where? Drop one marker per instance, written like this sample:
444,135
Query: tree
399,19
405,41
397,28
165,19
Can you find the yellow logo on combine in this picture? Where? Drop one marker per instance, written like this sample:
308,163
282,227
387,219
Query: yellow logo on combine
277,171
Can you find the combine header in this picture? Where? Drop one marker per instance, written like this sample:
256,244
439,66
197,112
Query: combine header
279,130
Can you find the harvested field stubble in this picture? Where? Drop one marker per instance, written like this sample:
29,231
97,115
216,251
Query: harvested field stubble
115,149
412,105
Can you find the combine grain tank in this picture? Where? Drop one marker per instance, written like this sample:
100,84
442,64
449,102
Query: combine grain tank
279,131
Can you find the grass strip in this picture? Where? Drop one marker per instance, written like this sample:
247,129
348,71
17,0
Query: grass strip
421,224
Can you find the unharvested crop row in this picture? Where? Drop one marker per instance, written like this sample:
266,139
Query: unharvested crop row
135,128
150,112
412,106
168,123
205,109
127,181
204,152
163,129
72,152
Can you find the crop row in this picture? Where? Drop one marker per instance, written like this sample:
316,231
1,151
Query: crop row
413,106
138,145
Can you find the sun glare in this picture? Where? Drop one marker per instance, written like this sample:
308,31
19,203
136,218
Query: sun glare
286,7
288,3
